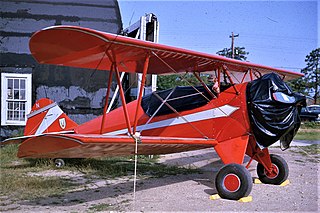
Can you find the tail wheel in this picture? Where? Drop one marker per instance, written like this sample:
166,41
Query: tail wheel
59,163
279,174
233,182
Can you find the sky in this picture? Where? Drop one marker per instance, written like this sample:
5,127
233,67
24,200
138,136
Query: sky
275,33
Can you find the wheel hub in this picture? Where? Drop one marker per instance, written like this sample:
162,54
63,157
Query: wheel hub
231,182
274,172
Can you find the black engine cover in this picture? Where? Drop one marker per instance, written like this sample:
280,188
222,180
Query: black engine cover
273,110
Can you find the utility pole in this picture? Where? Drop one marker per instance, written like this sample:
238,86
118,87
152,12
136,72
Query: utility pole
232,43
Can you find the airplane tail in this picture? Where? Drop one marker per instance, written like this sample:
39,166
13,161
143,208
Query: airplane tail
45,117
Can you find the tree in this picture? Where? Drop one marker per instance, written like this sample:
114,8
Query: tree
170,81
312,73
309,84
239,53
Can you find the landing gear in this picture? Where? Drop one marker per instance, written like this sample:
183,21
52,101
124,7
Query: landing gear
279,173
233,182
59,163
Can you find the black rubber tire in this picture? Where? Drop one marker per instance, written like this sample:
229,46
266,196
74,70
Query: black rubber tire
59,163
243,175
283,171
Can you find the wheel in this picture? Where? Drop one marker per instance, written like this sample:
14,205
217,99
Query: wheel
233,182
280,171
59,163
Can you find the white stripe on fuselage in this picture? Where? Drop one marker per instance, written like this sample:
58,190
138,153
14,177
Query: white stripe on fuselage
52,115
218,112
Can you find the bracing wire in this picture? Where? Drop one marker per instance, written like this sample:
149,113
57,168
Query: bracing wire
171,68
183,78
168,96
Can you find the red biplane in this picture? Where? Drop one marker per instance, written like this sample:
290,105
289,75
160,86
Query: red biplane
248,108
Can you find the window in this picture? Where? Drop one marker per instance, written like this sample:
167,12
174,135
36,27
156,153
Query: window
15,98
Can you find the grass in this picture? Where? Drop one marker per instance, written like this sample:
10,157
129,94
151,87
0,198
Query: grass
312,152
16,181
309,131
100,207
122,166
310,125
307,135
313,149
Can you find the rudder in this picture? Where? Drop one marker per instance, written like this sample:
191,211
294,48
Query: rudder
46,116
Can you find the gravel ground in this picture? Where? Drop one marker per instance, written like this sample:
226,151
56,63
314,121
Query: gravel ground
189,192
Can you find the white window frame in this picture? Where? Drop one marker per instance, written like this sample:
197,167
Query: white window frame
4,93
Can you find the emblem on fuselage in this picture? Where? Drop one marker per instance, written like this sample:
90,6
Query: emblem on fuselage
62,123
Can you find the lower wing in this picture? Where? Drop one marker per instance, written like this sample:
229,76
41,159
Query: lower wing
95,145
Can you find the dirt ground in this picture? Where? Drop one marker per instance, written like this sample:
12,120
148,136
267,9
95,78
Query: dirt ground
185,192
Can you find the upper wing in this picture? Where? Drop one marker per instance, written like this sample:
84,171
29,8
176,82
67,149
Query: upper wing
87,48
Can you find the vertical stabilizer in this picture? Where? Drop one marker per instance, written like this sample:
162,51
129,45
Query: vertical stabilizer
46,116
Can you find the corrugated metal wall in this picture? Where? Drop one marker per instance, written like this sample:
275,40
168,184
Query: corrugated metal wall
21,18
80,92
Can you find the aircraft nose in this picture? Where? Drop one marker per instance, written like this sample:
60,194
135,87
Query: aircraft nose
273,110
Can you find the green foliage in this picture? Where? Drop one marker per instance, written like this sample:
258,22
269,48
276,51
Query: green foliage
23,186
100,207
170,81
298,85
312,73
307,135
310,125
313,149
16,180
309,84
121,166
239,53
20,179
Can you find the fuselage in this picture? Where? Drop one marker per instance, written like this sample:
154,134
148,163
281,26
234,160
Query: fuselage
222,118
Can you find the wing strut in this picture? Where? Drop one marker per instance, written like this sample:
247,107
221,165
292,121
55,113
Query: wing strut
244,75
115,93
204,85
123,100
144,74
226,71
107,99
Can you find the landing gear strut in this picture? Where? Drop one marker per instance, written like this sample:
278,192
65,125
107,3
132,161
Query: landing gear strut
279,173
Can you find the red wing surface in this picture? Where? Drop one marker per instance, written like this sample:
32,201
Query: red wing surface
93,145
86,48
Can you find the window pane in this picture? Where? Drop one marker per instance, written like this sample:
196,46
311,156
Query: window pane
10,115
22,84
16,98
16,105
10,83
16,94
22,114
10,105
10,89
16,83
16,115
10,95
22,94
